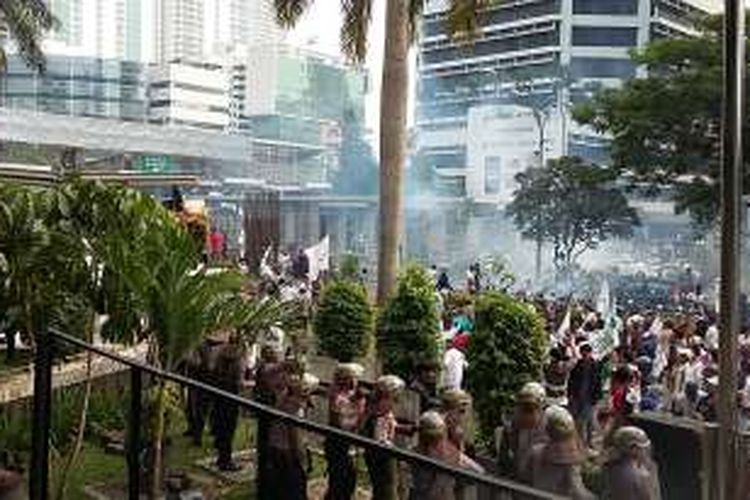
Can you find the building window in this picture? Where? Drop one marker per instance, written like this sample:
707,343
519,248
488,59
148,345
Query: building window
599,36
611,7
599,67
492,175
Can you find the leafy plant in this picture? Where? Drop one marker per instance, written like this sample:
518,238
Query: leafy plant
572,205
344,321
408,328
506,351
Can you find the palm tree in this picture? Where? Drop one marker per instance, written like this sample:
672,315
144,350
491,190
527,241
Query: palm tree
27,21
401,21
179,306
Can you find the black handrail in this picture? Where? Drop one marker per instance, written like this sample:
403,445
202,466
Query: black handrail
42,407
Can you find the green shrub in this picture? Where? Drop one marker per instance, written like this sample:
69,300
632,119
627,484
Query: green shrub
344,320
409,325
506,351
349,268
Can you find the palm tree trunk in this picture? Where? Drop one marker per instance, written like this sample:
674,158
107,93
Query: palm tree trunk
393,109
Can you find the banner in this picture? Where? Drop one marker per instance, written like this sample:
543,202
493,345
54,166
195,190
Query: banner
319,257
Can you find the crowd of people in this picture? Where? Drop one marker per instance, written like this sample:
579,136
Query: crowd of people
604,364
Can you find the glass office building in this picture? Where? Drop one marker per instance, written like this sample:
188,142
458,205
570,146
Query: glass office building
77,86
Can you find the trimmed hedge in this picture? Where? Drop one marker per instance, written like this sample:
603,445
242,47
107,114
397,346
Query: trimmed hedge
409,325
506,350
344,321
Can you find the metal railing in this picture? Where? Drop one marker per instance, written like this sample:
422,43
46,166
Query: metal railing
42,411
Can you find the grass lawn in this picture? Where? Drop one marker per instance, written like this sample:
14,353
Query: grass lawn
97,467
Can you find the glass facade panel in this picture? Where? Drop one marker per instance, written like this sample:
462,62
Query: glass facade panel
598,67
607,7
435,25
598,36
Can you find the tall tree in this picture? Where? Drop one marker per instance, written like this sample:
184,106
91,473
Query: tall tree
665,128
27,21
572,205
401,21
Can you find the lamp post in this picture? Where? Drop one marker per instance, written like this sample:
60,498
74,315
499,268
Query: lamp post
731,194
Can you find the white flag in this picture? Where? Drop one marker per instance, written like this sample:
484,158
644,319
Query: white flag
319,257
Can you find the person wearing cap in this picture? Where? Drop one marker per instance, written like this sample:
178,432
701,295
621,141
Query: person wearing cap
428,484
629,472
584,391
526,430
556,465
454,408
286,449
380,424
346,409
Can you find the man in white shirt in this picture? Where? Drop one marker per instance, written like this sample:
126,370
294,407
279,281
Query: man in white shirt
454,362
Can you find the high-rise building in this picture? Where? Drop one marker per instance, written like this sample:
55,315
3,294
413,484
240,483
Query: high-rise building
562,48
178,30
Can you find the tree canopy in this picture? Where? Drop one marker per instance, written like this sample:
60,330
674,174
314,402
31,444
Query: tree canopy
665,128
27,21
572,205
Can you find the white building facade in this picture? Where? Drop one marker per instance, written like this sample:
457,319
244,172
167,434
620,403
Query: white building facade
564,49
191,95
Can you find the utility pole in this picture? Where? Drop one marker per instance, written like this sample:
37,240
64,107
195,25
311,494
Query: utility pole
731,197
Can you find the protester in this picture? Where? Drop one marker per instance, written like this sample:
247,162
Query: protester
556,377
454,362
584,391
443,282
425,384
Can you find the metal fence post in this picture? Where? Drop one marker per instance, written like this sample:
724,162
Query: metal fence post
261,459
41,417
134,434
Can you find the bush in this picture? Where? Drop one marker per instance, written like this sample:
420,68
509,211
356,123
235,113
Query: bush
409,325
506,351
343,323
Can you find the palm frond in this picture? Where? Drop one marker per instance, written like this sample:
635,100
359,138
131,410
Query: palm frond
465,17
289,12
28,21
416,8
357,16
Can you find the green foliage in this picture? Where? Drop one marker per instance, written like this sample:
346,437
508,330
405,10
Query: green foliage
506,351
27,21
344,321
572,205
665,127
408,328
349,268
